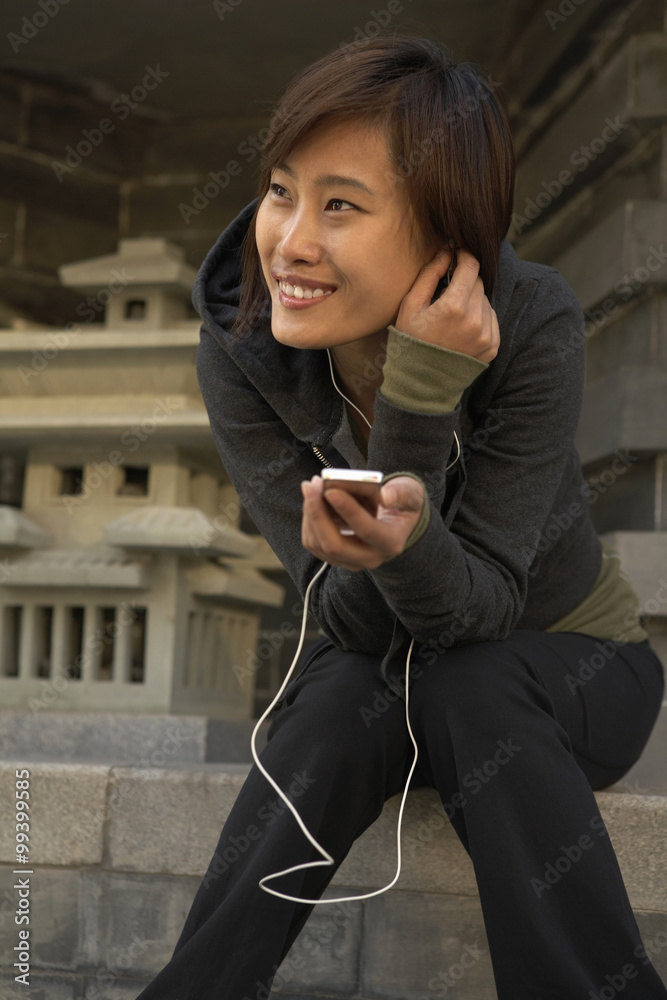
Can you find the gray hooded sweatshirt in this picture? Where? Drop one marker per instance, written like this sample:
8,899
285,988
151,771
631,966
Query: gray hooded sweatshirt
509,542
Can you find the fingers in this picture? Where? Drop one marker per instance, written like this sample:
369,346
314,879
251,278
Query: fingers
321,536
426,282
375,539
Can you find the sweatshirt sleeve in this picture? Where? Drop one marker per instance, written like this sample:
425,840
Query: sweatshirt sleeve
469,581
425,377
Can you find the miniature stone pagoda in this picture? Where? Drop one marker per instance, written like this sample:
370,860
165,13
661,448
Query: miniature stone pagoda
125,581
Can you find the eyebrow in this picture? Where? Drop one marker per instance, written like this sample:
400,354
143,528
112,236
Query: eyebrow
330,180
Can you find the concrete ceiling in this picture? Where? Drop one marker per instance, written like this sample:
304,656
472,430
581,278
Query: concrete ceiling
237,65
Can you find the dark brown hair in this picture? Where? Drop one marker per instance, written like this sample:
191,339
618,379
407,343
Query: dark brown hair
448,133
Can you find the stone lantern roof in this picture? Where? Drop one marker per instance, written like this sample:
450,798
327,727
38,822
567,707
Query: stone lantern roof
146,283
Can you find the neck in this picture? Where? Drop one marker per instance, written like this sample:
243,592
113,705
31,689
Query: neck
358,369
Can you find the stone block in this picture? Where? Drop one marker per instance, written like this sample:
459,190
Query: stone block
624,502
207,144
539,46
52,238
229,739
118,989
183,207
7,223
633,336
192,803
620,258
653,930
79,195
546,235
41,987
637,827
433,859
38,297
140,740
649,774
442,944
326,952
57,926
10,109
139,919
67,812
644,558
56,122
627,97
625,410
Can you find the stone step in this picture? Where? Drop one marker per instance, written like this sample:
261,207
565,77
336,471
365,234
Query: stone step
119,851
146,740
143,740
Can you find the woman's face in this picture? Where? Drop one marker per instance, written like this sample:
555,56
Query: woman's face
334,239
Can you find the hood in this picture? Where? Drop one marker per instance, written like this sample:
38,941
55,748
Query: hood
296,382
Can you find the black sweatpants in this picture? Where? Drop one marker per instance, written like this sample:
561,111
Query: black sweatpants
560,713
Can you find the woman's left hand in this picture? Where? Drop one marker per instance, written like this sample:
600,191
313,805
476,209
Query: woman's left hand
375,539
461,318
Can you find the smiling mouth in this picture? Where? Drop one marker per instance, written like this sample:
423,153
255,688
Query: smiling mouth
299,292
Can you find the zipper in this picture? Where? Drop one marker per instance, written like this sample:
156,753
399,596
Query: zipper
321,457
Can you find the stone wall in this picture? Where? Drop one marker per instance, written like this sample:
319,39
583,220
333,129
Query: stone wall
117,854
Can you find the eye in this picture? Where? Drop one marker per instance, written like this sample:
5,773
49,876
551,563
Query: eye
278,190
339,201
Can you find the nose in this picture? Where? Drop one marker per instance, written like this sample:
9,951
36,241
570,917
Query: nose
301,238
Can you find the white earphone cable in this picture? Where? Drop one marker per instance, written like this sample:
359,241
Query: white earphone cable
326,857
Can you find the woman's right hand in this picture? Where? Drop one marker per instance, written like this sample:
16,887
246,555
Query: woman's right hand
461,319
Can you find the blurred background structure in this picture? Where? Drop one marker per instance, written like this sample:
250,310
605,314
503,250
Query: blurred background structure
142,620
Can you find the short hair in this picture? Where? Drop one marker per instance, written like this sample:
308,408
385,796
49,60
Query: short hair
449,139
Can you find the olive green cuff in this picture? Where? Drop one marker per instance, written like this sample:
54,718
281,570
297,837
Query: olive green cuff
425,516
425,377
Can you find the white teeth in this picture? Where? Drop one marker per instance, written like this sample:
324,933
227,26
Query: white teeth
297,292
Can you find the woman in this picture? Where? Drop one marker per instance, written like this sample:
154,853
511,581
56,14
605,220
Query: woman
336,345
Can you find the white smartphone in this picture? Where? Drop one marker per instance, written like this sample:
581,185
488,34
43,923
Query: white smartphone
363,484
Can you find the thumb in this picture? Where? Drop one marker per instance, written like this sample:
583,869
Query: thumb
402,493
